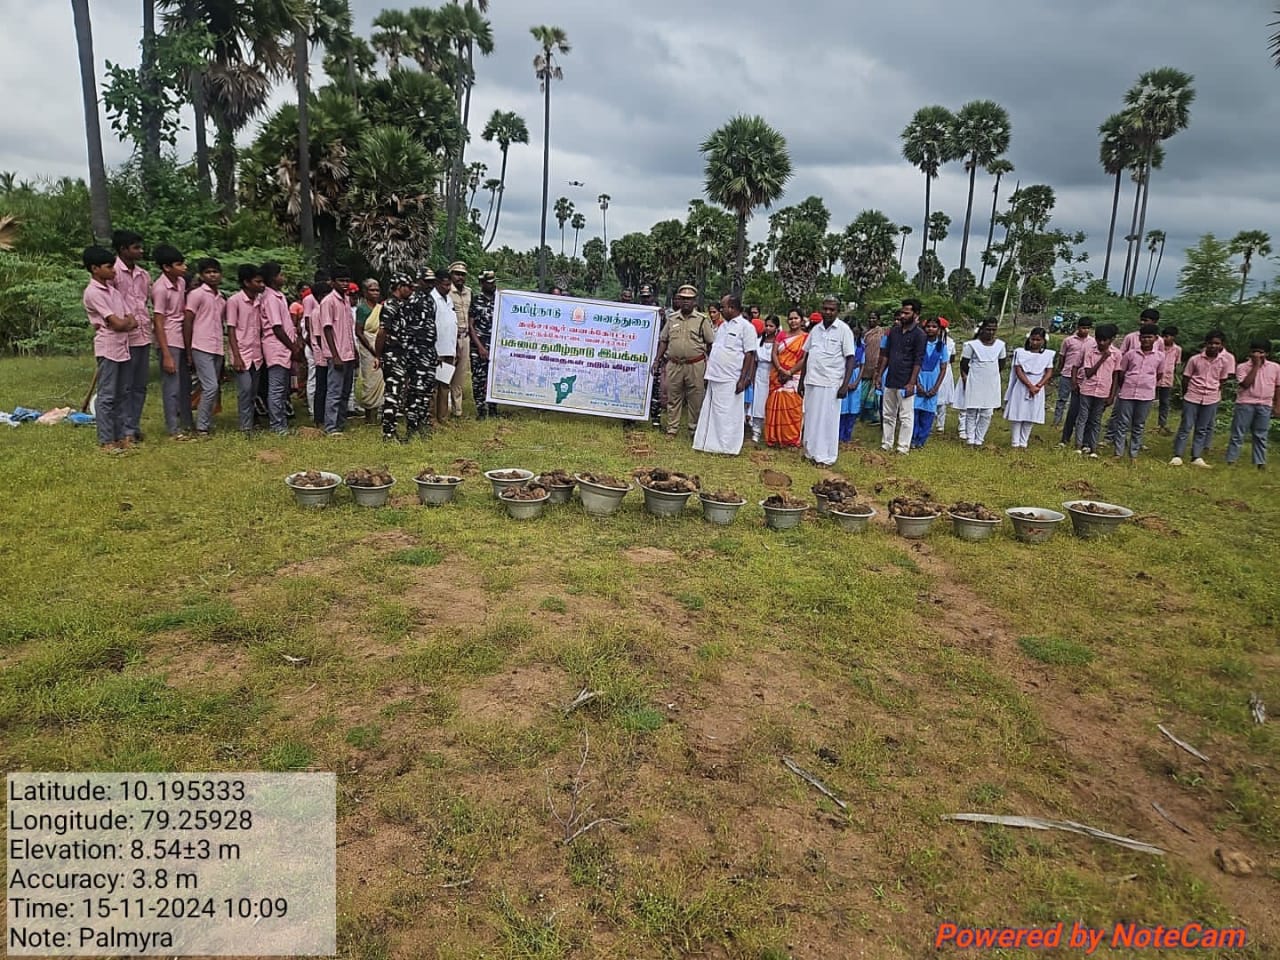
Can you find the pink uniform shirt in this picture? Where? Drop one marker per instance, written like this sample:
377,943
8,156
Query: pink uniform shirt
273,310
1099,385
168,299
1172,356
335,314
208,308
1263,388
100,302
311,319
1073,349
1132,342
1140,372
244,317
1204,377
134,285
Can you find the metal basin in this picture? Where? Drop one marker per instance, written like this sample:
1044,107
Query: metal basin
438,494
314,496
1089,525
1038,525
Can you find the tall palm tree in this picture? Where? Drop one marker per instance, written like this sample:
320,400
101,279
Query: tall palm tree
552,41
1159,106
99,204
392,36
1117,153
252,48
1246,243
151,85
747,166
467,30
938,224
927,144
564,210
603,200
475,176
1159,260
906,231
490,187
1155,241
997,168
507,128
1138,173
578,221
981,135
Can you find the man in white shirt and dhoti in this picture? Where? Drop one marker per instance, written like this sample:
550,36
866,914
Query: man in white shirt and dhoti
829,356
731,365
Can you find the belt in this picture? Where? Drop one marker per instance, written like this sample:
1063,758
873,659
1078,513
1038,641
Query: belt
697,359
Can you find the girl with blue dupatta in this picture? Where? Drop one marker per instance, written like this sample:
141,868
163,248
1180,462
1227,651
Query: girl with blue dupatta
851,405
933,375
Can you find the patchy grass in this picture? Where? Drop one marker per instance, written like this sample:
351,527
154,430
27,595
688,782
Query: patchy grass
428,656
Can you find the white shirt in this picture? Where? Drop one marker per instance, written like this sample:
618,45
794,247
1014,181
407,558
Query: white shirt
734,340
826,349
446,326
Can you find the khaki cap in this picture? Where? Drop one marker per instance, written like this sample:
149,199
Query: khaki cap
458,267
687,290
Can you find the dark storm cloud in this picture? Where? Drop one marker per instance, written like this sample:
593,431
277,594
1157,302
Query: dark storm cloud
645,85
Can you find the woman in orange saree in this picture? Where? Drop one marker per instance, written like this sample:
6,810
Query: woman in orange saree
784,411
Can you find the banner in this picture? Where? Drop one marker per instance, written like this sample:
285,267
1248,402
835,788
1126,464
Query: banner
570,354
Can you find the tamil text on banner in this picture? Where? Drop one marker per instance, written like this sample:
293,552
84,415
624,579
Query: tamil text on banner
579,356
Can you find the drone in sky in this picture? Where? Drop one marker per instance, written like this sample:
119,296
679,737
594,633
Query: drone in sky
576,183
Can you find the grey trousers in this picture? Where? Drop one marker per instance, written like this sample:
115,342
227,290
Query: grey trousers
338,392
207,365
246,393
1089,422
175,393
1197,419
109,408
277,397
1130,419
1253,419
1064,399
1165,396
136,393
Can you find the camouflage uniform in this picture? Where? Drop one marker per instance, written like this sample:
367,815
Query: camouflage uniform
393,363
421,360
482,324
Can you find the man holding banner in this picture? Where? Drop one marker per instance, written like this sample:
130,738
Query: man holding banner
731,367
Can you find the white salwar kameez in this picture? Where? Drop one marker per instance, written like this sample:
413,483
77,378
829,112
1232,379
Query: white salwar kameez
720,427
821,437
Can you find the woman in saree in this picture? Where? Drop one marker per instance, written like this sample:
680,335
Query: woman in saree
370,393
784,410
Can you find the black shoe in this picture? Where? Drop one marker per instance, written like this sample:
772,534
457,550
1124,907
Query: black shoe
137,437
391,438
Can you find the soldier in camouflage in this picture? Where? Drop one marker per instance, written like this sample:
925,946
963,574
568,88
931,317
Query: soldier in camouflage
481,330
389,348
421,361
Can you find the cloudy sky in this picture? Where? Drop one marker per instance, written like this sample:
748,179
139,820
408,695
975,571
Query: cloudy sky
840,81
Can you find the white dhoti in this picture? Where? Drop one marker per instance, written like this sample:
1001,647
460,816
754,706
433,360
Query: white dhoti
821,436
720,427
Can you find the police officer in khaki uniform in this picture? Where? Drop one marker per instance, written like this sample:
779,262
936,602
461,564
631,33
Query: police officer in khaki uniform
683,346
460,297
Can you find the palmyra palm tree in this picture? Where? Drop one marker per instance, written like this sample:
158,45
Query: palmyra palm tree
1246,243
997,168
564,210
99,204
578,221
747,166
506,128
927,144
981,135
603,200
1155,241
552,41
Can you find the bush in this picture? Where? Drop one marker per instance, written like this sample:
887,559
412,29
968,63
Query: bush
40,305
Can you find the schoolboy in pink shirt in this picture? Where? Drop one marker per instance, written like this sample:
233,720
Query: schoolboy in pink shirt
318,361
338,326
1073,348
1257,401
1133,339
244,341
202,333
134,284
1170,359
279,349
1096,381
1202,380
1137,371
112,322
168,301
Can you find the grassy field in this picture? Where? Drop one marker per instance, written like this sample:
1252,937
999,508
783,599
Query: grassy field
150,603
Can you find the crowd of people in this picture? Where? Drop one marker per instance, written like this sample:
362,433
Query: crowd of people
413,351
803,383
